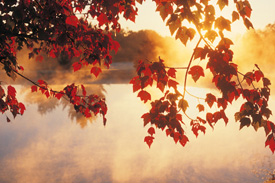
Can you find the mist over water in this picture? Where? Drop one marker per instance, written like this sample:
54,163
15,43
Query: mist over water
50,143
52,147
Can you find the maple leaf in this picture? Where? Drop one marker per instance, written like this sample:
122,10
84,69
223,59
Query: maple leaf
59,95
245,122
172,72
151,131
144,96
72,20
11,91
196,71
183,140
146,118
235,16
22,108
149,140
34,88
115,46
102,19
183,104
77,66
96,71
136,83
258,75
210,99
270,141
172,83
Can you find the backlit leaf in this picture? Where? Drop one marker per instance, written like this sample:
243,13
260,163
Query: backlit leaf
245,122
222,3
210,99
149,140
151,131
200,107
196,72
270,141
146,118
144,96
235,16
172,72
183,104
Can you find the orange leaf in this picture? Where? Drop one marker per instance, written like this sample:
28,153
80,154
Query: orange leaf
200,107
144,96
172,72
196,71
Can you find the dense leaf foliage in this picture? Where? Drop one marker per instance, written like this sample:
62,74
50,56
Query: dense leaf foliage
62,26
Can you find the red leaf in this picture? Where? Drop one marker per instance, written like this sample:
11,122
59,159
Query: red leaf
144,96
176,137
151,131
149,140
115,46
146,118
21,68
258,75
102,19
72,20
11,91
22,108
172,83
136,83
47,93
270,141
39,58
96,71
83,90
224,116
196,72
183,140
172,72
168,132
52,54
210,99
87,113
59,95
34,88
77,66
209,118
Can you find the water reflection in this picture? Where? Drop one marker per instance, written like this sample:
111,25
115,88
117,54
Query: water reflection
48,105
40,148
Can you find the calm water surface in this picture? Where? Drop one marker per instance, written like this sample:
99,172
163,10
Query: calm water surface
49,145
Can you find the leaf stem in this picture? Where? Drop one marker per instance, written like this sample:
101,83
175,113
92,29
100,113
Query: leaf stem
188,67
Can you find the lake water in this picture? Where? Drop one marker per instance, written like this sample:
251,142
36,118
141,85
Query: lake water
47,144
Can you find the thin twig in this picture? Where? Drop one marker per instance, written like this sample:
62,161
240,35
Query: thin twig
188,67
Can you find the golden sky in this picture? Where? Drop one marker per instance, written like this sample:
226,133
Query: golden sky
262,14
